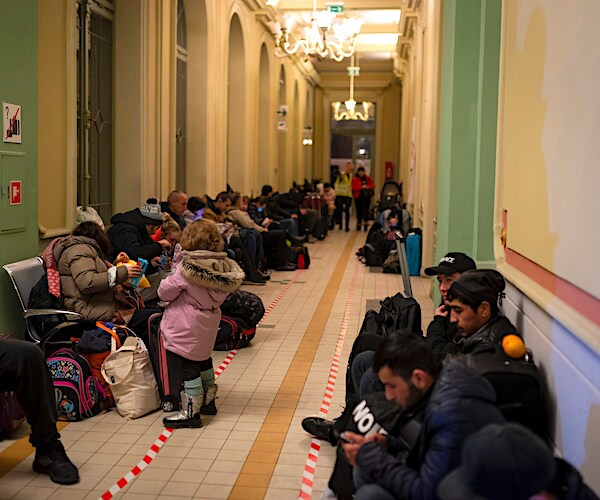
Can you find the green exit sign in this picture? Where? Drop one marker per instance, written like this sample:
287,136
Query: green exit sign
335,8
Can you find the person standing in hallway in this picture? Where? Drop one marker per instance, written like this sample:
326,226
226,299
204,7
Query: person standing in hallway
343,195
363,189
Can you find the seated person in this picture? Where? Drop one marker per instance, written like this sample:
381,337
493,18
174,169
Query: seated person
92,286
24,371
170,231
450,403
508,461
258,211
273,241
195,210
176,206
216,210
289,203
441,331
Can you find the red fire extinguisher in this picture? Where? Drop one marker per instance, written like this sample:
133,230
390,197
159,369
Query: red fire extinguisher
389,170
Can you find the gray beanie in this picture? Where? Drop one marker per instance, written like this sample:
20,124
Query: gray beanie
152,214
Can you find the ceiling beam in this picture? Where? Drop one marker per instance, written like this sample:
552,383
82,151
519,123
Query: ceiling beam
285,5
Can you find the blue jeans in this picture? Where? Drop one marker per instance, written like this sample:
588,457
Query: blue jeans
364,378
366,490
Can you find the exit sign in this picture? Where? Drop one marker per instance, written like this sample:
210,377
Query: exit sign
336,8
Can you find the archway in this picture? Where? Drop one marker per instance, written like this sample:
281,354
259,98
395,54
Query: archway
236,112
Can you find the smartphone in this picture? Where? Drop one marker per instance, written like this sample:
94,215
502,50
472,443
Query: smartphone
343,439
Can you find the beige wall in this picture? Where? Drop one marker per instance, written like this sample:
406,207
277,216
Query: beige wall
53,130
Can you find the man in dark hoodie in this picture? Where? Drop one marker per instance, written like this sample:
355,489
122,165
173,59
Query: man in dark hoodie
449,405
175,206
130,233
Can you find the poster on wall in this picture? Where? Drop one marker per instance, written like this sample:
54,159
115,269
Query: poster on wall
11,123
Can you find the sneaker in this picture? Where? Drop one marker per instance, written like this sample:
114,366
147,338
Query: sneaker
311,239
318,427
53,460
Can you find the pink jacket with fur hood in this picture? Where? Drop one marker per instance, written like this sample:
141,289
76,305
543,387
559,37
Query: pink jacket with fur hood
195,291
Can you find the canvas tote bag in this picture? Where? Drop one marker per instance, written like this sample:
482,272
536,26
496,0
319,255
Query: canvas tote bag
129,373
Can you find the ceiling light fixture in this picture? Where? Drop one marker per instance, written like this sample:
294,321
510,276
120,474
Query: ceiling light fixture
317,40
351,112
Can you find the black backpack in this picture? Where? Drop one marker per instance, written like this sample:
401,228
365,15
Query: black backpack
400,312
233,334
245,306
377,246
41,298
520,389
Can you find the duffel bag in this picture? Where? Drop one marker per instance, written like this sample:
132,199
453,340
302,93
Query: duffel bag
245,306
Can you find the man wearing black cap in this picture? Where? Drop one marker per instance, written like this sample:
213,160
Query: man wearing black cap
441,331
473,303
509,462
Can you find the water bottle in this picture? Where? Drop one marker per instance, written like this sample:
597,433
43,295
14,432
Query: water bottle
164,258
134,282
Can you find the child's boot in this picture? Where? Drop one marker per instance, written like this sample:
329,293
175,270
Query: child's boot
192,397
210,392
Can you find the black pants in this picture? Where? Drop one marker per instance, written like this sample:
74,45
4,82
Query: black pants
362,208
342,206
242,257
192,369
23,369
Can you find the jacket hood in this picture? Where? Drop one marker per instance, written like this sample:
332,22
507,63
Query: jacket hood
212,270
71,241
457,382
210,203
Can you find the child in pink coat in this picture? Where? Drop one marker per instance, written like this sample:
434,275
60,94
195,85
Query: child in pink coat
203,277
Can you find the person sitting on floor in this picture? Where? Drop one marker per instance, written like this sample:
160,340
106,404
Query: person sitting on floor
176,206
23,370
509,462
450,404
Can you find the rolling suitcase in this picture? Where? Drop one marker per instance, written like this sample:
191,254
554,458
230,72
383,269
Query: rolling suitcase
166,365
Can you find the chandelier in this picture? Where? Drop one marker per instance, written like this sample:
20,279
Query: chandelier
315,39
351,112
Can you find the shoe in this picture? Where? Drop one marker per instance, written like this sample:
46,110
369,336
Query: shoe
358,227
286,267
366,227
296,240
311,239
318,427
209,407
53,460
254,278
265,276
189,415
347,229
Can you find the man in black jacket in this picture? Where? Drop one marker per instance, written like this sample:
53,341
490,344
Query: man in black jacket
455,403
486,473
175,206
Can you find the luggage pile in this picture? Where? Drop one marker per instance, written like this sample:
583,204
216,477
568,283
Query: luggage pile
240,314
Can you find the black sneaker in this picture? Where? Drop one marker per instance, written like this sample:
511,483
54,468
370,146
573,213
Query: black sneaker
53,460
318,427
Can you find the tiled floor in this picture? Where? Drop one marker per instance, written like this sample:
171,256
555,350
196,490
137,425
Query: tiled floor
254,447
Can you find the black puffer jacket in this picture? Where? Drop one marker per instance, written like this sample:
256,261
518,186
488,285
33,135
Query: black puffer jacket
488,336
440,333
128,234
461,402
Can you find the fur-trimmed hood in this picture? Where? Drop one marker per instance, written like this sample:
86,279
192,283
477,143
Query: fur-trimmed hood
212,270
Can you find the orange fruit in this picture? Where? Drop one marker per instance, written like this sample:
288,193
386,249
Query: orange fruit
514,346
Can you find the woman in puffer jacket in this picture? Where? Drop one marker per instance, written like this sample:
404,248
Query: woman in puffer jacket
203,277
88,279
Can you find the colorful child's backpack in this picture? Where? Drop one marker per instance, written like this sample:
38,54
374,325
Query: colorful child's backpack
78,393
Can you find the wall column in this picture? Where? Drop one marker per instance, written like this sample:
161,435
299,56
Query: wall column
468,118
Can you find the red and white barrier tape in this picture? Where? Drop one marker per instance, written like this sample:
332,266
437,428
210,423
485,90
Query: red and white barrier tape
308,475
162,439
143,463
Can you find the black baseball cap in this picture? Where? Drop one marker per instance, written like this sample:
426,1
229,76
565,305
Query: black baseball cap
453,262
500,462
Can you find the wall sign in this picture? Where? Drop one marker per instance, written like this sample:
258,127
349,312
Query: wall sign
15,192
11,123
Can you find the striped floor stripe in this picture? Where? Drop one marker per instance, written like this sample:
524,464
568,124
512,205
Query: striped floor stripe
306,487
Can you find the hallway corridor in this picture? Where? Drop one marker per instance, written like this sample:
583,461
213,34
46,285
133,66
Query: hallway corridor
255,446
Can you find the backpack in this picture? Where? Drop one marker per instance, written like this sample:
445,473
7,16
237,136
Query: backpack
243,305
377,247
520,390
233,334
302,257
78,393
41,298
400,312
